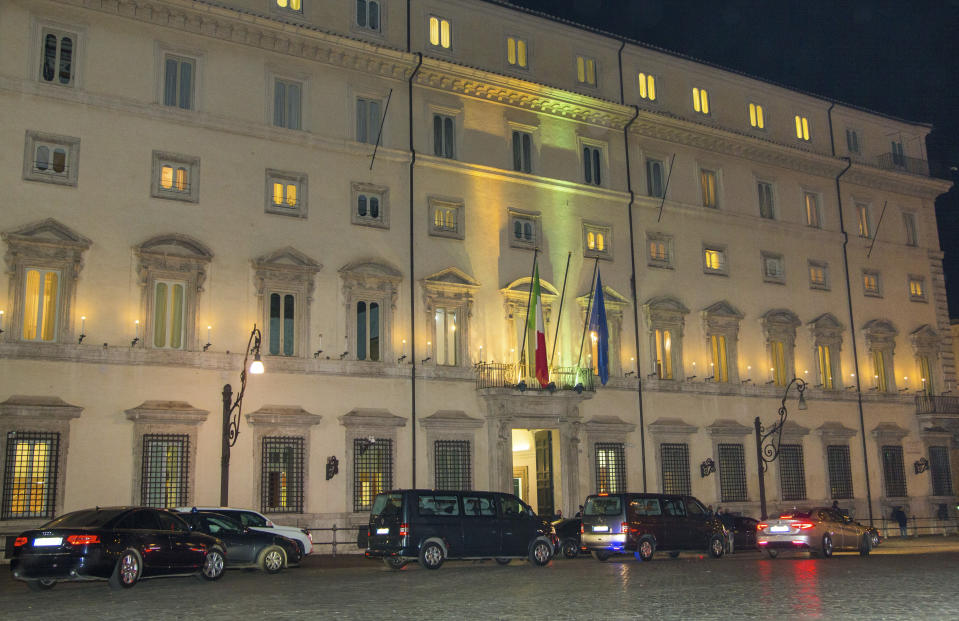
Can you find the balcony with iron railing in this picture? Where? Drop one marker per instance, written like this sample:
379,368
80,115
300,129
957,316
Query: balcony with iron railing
895,161
510,375
937,404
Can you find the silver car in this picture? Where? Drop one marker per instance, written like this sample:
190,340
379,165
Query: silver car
820,530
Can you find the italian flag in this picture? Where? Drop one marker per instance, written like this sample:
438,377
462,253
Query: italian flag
536,335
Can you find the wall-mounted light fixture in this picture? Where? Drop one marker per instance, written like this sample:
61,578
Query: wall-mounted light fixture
921,465
707,467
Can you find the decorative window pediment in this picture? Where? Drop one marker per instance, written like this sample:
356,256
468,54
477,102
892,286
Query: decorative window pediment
666,311
880,334
780,324
449,306
284,282
370,290
615,303
826,329
925,339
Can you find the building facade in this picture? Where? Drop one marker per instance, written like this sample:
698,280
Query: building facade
368,184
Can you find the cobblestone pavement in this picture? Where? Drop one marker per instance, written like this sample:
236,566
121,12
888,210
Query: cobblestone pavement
914,579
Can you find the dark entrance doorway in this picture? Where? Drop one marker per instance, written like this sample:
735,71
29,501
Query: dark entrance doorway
543,440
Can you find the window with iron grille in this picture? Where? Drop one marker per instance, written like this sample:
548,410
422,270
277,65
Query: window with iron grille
840,472
452,464
941,473
372,471
281,478
732,472
792,476
610,467
893,471
675,458
166,470
30,475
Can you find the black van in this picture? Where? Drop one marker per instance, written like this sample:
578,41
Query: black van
434,525
644,523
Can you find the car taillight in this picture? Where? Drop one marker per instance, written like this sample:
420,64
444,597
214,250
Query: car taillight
582,529
82,540
786,516
762,526
624,527
804,525
404,530
20,541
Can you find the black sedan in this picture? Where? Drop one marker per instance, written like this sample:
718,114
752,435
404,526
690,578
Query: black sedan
119,544
568,531
246,547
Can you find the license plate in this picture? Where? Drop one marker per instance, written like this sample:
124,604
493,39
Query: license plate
47,541
601,529
779,529
382,531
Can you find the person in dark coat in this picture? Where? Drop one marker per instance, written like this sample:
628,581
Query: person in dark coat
900,516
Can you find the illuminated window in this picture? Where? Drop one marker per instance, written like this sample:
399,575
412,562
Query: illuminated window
586,70
647,86
372,471
41,305
774,267
610,465
707,182
175,177
720,362
663,341
596,241
655,178
446,218
700,100
811,205
281,329
765,190
282,474
714,260
870,283
286,193
440,36
925,374
818,275
756,116
368,120
917,288
58,52
178,81
879,369
659,250
287,103
30,475
827,339
864,219
824,359
802,128
852,141
592,165
447,334
909,226
165,480
169,297
290,5
522,151
777,362
444,137
368,14
516,53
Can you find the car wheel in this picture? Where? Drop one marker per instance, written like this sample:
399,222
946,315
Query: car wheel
213,564
717,545
503,561
772,553
272,560
540,553
431,555
674,554
43,584
394,562
601,555
128,570
645,550
865,546
570,548
826,546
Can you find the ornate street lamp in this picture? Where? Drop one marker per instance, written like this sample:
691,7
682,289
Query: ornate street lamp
231,412
768,452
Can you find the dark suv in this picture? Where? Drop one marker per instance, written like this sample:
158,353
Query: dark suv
432,526
644,523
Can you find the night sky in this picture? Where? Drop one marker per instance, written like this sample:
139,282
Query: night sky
896,57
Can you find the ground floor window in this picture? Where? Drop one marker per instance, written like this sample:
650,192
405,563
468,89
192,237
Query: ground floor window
675,461
732,473
30,475
372,471
941,473
452,464
610,468
894,472
792,475
166,470
840,472
281,483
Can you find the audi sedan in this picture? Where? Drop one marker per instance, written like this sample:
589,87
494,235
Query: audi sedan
246,547
118,544
821,531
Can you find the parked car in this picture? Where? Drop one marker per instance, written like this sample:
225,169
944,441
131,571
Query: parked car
741,531
246,547
820,530
257,521
118,544
644,523
568,537
432,526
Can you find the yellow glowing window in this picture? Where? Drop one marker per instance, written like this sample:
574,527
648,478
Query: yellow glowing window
168,307
30,476
595,240
777,359
516,52
284,194
925,375
720,366
585,70
812,209
293,5
664,354
879,370
447,336
174,179
715,260
870,283
817,275
658,250
802,127
40,303
863,213
647,86
756,116
915,288
700,100
707,180
444,218
440,32
825,367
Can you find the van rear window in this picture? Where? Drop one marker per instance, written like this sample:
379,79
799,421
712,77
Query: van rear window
438,505
387,504
603,505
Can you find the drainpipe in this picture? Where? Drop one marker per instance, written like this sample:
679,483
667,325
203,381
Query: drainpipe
632,262
852,321
419,63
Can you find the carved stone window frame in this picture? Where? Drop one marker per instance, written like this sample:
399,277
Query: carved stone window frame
515,304
451,288
722,318
827,330
281,421
615,304
793,433
452,425
780,325
927,343
164,417
881,337
172,256
71,145
286,270
47,244
192,165
727,431
672,431
667,313
890,434
363,423
606,429
833,433
371,281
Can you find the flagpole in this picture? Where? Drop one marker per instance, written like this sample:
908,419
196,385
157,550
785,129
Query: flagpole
529,300
589,307
559,316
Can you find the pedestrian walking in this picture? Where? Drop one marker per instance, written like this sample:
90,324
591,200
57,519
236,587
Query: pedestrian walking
943,516
900,516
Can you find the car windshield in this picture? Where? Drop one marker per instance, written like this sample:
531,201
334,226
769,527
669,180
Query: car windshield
91,518
603,505
387,504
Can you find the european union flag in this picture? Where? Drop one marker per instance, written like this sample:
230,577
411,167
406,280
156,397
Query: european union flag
599,331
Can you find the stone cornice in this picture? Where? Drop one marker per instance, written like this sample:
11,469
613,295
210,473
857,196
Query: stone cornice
283,416
168,412
450,419
893,181
29,407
